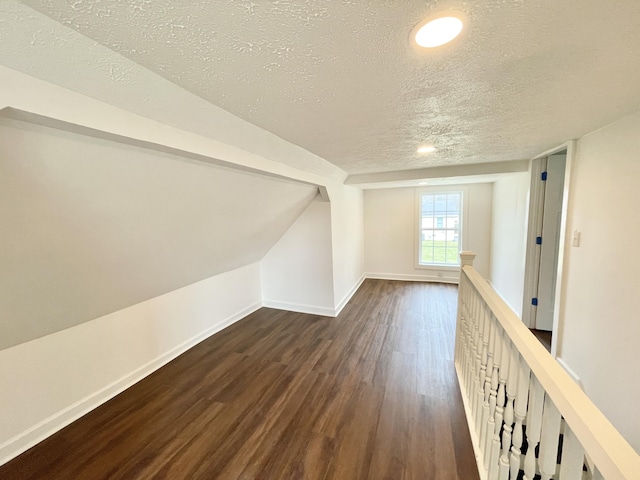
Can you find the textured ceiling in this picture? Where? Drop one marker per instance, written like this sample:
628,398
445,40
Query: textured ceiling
340,78
35,44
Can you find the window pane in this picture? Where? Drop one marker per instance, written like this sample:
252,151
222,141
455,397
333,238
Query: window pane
427,204
453,203
427,242
426,252
439,254
439,204
455,222
452,255
440,228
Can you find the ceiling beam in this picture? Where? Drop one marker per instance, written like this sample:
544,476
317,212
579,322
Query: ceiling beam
473,169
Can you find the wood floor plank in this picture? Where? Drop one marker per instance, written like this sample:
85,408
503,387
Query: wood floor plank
371,394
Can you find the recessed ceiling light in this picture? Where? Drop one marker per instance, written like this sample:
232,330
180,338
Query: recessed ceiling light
423,183
438,32
426,149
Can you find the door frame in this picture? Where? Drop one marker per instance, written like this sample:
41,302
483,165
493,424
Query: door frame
532,254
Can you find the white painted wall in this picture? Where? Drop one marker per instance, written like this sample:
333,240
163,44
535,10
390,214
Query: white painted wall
347,227
319,263
598,337
508,227
87,198
297,272
48,382
479,200
92,226
390,226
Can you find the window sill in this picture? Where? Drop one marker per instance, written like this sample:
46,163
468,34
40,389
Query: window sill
435,266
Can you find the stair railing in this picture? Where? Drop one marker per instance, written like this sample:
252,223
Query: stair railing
526,415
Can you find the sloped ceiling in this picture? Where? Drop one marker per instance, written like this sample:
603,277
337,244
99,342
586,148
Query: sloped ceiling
341,79
91,226
35,44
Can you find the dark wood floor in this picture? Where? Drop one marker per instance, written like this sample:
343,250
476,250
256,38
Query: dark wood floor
544,337
371,394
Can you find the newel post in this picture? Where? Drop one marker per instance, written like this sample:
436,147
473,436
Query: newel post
466,258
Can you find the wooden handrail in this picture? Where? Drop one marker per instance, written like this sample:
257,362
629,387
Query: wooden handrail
611,453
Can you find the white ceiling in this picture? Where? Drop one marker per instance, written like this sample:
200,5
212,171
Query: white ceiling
341,79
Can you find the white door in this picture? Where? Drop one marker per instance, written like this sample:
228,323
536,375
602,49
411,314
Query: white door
550,245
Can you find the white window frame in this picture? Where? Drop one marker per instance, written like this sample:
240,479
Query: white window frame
463,191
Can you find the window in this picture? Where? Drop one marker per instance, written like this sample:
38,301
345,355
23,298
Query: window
440,222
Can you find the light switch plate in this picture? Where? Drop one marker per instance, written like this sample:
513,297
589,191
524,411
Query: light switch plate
575,239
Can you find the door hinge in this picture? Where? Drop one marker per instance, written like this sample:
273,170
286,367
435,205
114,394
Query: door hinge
543,176
534,302
538,240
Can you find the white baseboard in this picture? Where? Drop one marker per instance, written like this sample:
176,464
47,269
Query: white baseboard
300,308
571,373
314,309
34,435
348,296
412,278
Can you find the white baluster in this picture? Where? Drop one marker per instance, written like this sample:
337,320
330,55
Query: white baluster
572,456
463,348
551,420
520,411
464,292
467,322
475,341
477,368
501,392
461,320
470,360
468,334
534,424
507,412
486,383
490,392
512,382
471,352
466,258
496,405
461,345
511,378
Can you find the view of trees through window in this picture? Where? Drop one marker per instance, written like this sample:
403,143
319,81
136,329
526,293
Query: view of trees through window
440,228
